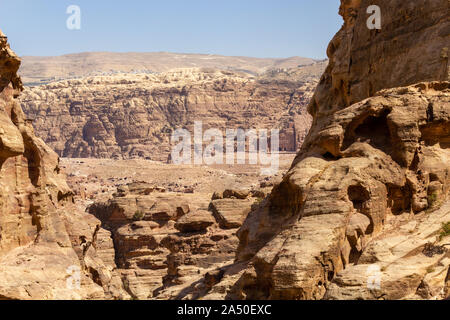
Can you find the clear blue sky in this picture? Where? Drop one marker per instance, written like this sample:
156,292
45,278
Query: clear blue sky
257,28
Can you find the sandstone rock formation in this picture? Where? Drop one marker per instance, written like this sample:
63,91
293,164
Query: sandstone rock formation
133,116
363,213
165,242
44,239
368,190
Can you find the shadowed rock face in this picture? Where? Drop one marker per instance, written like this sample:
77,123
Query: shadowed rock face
39,240
373,161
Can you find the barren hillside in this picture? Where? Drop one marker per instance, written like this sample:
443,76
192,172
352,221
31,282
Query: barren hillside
46,69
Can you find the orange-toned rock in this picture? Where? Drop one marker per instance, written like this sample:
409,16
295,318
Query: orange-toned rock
377,150
195,221
44,238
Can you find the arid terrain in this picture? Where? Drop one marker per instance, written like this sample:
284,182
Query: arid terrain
358,210
141,202
37,70
97,179
130,116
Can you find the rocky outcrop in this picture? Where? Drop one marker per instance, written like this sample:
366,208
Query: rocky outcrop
371,182
406,261
363,213
133,116
164,241
47,246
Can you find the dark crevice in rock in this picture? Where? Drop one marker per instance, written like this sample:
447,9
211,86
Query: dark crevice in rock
373,129
399,198
34,161
358,195
430,113
330,157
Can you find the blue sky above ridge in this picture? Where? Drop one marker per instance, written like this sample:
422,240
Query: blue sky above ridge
256,28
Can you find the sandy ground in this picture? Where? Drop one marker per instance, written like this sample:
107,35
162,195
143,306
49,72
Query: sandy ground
98,179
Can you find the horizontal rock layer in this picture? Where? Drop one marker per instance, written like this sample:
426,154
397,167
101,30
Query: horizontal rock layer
167,242
372,155
133,116
47,245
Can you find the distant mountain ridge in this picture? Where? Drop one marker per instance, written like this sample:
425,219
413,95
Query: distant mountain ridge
38,70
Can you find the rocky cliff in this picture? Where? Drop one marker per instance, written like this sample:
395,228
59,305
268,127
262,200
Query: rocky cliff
363,213
45,241
360,214
133,116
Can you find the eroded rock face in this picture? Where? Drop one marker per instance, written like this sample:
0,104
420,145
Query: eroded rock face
167,242
404,262
43,236
133,116
371,156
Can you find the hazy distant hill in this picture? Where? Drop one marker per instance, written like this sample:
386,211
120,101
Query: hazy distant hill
47,69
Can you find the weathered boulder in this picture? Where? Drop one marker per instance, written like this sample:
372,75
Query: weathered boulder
195,221
237,194
230,213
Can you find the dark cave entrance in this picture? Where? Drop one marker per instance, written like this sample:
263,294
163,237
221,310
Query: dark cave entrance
373,130
359,195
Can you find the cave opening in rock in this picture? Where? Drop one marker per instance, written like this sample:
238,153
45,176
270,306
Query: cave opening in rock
399,199
328,156
358,195
373,130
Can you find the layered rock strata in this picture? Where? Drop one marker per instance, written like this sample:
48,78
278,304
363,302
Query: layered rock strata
368,190
165,242
48,248
133,116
